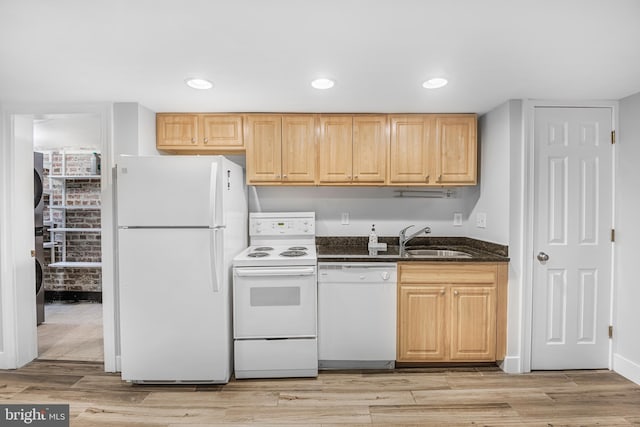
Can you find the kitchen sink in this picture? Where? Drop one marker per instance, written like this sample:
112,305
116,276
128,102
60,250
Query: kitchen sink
435,253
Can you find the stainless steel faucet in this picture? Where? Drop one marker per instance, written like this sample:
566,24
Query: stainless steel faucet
403,239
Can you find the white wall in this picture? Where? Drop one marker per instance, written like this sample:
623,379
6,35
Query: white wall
365,206
134,130
494,136
17,273
627,316
67,132
501,176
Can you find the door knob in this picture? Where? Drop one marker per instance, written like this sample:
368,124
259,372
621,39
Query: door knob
542,257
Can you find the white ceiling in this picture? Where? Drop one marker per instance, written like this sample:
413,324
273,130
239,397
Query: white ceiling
262,54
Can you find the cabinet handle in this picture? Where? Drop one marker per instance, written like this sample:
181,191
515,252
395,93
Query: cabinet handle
355,177
193,140
206,140
439,178
426,178
284,176
442,292
349,177
278,176
455,292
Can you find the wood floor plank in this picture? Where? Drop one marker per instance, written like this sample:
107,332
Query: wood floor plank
384,382
85,395
299,415
499,395
275,384
344,398
220,399
510,381
7,391
66,367
440,414
600,377
153,415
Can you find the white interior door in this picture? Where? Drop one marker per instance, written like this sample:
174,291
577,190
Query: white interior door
572,238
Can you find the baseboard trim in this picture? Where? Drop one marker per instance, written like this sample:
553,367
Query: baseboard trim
511,365
50,296
626,368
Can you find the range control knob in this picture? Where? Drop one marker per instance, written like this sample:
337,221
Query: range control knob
385,275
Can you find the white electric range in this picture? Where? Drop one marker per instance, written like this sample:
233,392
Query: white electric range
275,298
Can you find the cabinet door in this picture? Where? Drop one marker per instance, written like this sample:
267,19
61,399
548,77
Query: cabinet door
456,149
222,131
370,140
473,323
410,150
264,143
298,149
335,151
421,323
177,130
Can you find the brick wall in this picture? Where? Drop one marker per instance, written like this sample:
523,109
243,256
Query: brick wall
80,246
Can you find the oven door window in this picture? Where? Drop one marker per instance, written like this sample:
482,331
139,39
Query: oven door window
274,296
276,304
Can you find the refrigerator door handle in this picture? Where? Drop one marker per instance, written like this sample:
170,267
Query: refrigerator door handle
213,193
213,257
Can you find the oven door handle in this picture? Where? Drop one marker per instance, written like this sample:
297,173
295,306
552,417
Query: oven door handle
255,272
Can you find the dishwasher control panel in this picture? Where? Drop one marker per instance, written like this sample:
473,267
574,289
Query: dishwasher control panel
350,272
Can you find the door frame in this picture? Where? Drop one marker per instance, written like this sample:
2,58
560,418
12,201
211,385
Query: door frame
18,339
528,235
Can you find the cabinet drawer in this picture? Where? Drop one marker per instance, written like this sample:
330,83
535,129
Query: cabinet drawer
443,273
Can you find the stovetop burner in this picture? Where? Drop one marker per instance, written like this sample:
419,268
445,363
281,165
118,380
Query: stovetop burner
257,254
298,248
263,249
293,253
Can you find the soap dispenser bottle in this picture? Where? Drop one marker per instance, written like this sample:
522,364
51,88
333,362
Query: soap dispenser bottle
373,237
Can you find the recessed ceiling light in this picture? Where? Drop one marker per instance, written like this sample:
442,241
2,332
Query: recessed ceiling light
435,83
322,83
196,83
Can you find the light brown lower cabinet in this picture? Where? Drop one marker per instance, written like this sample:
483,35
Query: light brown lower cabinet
451,312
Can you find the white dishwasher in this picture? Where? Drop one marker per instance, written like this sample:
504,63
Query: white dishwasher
356,315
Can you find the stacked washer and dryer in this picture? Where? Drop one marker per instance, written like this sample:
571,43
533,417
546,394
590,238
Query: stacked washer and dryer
38,203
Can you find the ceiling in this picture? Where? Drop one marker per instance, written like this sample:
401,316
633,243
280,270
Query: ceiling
262,54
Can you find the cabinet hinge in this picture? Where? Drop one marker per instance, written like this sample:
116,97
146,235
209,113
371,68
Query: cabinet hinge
613,234
613,136
610,331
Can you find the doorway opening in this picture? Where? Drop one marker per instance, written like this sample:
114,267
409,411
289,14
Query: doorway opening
70,323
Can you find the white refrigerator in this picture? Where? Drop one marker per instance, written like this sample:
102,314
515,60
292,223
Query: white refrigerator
181,220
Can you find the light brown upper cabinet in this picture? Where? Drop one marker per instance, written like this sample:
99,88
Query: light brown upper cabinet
456,149
280,149
410,150
199,133
352,149
433,149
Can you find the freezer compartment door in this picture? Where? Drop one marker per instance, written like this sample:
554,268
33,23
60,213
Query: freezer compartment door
157,191
174,326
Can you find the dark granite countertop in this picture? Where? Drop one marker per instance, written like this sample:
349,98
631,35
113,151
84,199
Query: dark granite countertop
355,249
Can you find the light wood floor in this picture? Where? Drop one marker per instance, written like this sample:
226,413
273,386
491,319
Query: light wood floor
71,331
425,397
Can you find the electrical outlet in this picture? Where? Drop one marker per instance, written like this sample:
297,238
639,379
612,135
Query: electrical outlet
345,218
481,220
457,219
